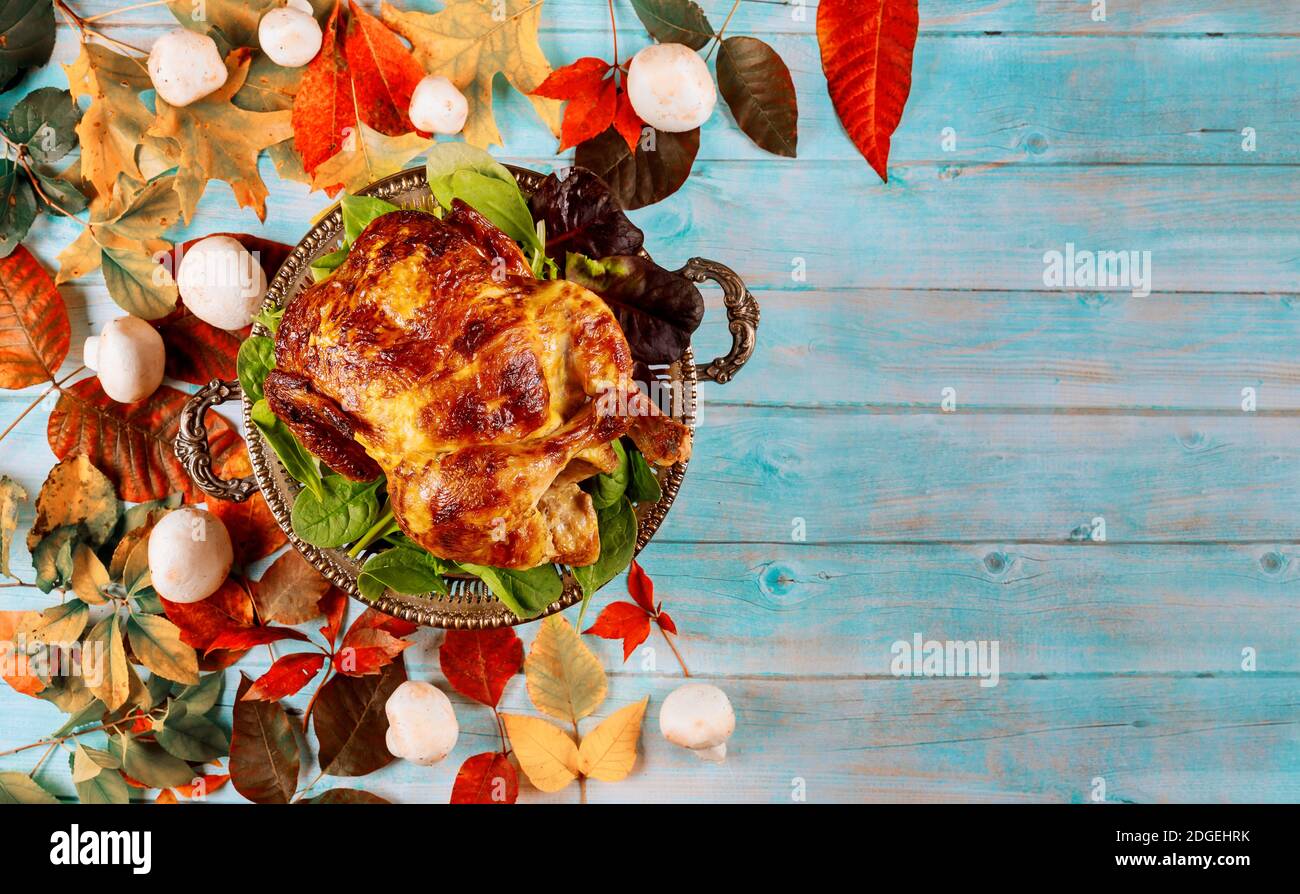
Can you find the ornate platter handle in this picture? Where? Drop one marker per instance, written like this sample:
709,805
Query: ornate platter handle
193,450
742,318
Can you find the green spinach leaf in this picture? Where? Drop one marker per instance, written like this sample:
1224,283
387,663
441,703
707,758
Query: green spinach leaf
300,464
343,512
642,485
526,593
617,544
404,569
358,212
607,489
322,267
256,358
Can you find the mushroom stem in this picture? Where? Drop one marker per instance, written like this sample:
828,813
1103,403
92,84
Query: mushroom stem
717,754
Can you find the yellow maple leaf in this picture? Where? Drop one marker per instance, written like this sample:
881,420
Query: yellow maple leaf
545,752
469,42
217,140
608,752
367,156
564,677
114,125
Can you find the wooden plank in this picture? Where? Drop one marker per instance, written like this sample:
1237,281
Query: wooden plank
1151,739
1032,100
1015,349
1067,17
968,477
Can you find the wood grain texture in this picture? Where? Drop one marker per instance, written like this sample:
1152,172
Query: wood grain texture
1120,660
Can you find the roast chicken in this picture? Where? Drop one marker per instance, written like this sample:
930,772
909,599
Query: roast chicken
433,355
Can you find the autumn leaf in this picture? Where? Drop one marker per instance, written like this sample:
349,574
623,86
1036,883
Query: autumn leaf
220,141
89,576
486,779
264,757
242,638
113,127
271,88
545,752
384,73
675,21
75,493
759,90
625,621
866,48
565,679
156,642
608,752
334,606
60,624
34,331
133,444
479,663
470,42
323,109
595,101
289,674
367,156
290,590
254,532
230,608
232,22
18,674
107,670
371,643
350,723
11,495
346,796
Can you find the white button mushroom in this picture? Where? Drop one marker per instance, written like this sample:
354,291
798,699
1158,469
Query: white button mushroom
128,355
189,555
699,717
221,283
422,724
291,36
669,86
185,66
437,106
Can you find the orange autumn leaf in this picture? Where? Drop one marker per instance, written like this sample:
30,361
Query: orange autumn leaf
34,331
287,675
595,100
383,72
290,590
21,679
323,109
486,779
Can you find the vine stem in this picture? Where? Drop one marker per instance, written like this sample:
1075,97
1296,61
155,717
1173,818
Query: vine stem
58,740
79,23
131,8
54,386
613,31
678,655
717,38
24,161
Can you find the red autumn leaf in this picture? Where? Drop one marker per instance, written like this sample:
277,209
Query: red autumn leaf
230,608
866,48
384,73
209,785
479,663
254,532
287,676
641,588
625,621
133,443
595,101
486,779
34,331
198,352
334,606
666,623
368,651
166,796
323,107
247,637
374,618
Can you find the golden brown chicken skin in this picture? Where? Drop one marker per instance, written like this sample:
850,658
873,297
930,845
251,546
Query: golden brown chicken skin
433,356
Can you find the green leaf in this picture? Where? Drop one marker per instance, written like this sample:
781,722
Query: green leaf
45,121
342,513
674,21
107,672
642,485
358,212
62,623
140,286
607,489
90,713
445,159
202,696
18,208
105,787
52,558
270,317
19,788
322,267
156,641
498,201
618,529
300,464
26,36
758,88
408,570
526,593
149,763
255,359
87,762
193,737
61,193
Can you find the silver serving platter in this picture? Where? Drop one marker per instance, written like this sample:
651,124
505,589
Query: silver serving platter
470,604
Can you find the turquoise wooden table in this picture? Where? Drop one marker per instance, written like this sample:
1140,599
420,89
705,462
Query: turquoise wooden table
967,453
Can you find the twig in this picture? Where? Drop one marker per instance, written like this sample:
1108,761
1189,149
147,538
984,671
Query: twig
613,30
717,38
131,8
668,639
34,404
56,740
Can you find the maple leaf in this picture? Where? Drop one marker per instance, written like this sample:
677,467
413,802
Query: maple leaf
217,140
323,109
372,643
629,622
383,71
114,125
479,663
271,88
866,50
595,101
367,156
470,42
